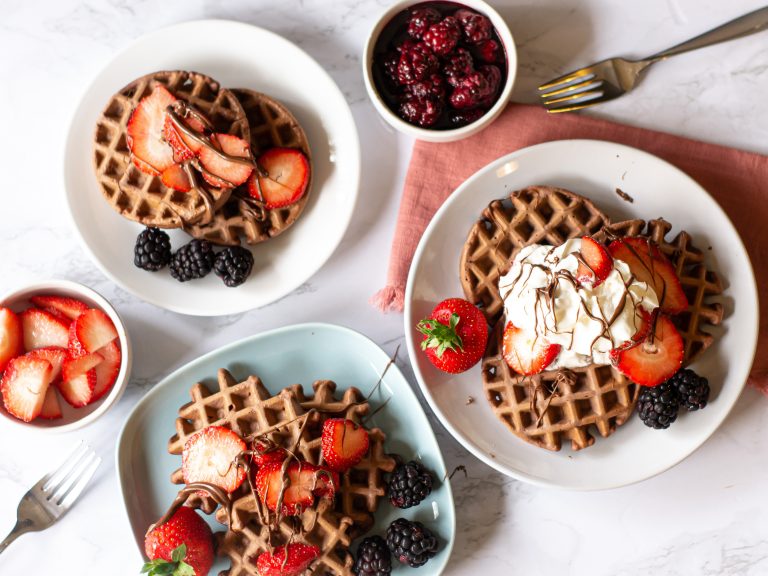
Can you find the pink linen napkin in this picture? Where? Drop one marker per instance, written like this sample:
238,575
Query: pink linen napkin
738,181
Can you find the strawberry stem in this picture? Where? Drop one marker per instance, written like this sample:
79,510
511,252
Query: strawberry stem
176,567
440,336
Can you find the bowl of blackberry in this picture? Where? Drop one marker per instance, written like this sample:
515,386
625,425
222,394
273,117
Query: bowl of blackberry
440,71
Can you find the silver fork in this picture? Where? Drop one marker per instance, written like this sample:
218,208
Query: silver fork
611,78
54,494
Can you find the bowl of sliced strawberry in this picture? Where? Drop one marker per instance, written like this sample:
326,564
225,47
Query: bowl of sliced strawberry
65,357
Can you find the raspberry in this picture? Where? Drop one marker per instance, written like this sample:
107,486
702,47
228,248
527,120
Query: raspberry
458,65
416,63
476,27
420,20
421,111
488,51
443,36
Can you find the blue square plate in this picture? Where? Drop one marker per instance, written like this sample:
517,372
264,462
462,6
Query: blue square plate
302,353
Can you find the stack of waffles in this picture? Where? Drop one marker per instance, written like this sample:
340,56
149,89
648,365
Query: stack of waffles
222,217
288,419
546,409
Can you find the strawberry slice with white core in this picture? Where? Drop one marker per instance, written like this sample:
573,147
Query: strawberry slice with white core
56,356
107,371
144,132
526,352
11,341
286,180
209,456
175,177
42,329
649,265
69,307
656,358
144,167
594,262
304,482
24,384
79,365
226,173
344,443
92,330
51,409
78,392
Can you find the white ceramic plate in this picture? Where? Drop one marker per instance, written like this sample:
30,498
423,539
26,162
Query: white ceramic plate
295,354
238,56
594,169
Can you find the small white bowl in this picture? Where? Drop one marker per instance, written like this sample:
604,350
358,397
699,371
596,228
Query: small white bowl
428,134
73,418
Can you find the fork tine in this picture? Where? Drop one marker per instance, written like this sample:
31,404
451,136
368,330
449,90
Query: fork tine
581,74
582,96
573,89
79,486
50,480
573,107
66,484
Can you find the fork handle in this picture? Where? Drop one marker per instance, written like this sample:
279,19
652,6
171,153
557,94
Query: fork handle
17,531
742,26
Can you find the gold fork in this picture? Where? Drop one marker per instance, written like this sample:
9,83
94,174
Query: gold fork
611,78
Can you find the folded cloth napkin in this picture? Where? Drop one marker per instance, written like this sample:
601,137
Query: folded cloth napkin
738,181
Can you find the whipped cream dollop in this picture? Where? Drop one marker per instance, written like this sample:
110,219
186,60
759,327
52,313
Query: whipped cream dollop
541,295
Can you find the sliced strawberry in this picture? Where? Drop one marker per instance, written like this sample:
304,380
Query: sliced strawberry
56,356
24,385
144,167
107,371
42,329
78,392
11,340
69,307
184,147
209,456
287,561
527,353
92,330
263,453
344,443
649,265
78,365
656,358
51,409
227,172
304,481
175,177
286,180
144,132
594,263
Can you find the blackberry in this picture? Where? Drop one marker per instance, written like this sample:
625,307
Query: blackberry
692,388
152,250
193,260
443,36
657,406
411,542
233,265
409,484
373,558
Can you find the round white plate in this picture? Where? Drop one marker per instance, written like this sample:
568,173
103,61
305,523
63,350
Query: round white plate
594,169
238,56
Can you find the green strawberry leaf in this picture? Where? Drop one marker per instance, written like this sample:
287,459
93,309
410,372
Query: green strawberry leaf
179,553
176,567
440,336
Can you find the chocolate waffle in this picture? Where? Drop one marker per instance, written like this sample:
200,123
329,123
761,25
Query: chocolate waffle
249,409
139,196
546,408
271,125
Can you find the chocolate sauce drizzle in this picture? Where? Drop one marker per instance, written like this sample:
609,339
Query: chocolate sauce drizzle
217,493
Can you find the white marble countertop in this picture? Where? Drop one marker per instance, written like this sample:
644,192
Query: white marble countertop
705,516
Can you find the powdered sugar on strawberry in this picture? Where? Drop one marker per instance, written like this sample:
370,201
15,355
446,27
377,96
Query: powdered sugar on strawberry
542,295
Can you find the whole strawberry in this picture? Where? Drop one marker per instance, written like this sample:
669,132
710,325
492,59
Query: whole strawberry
182,546
455,335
